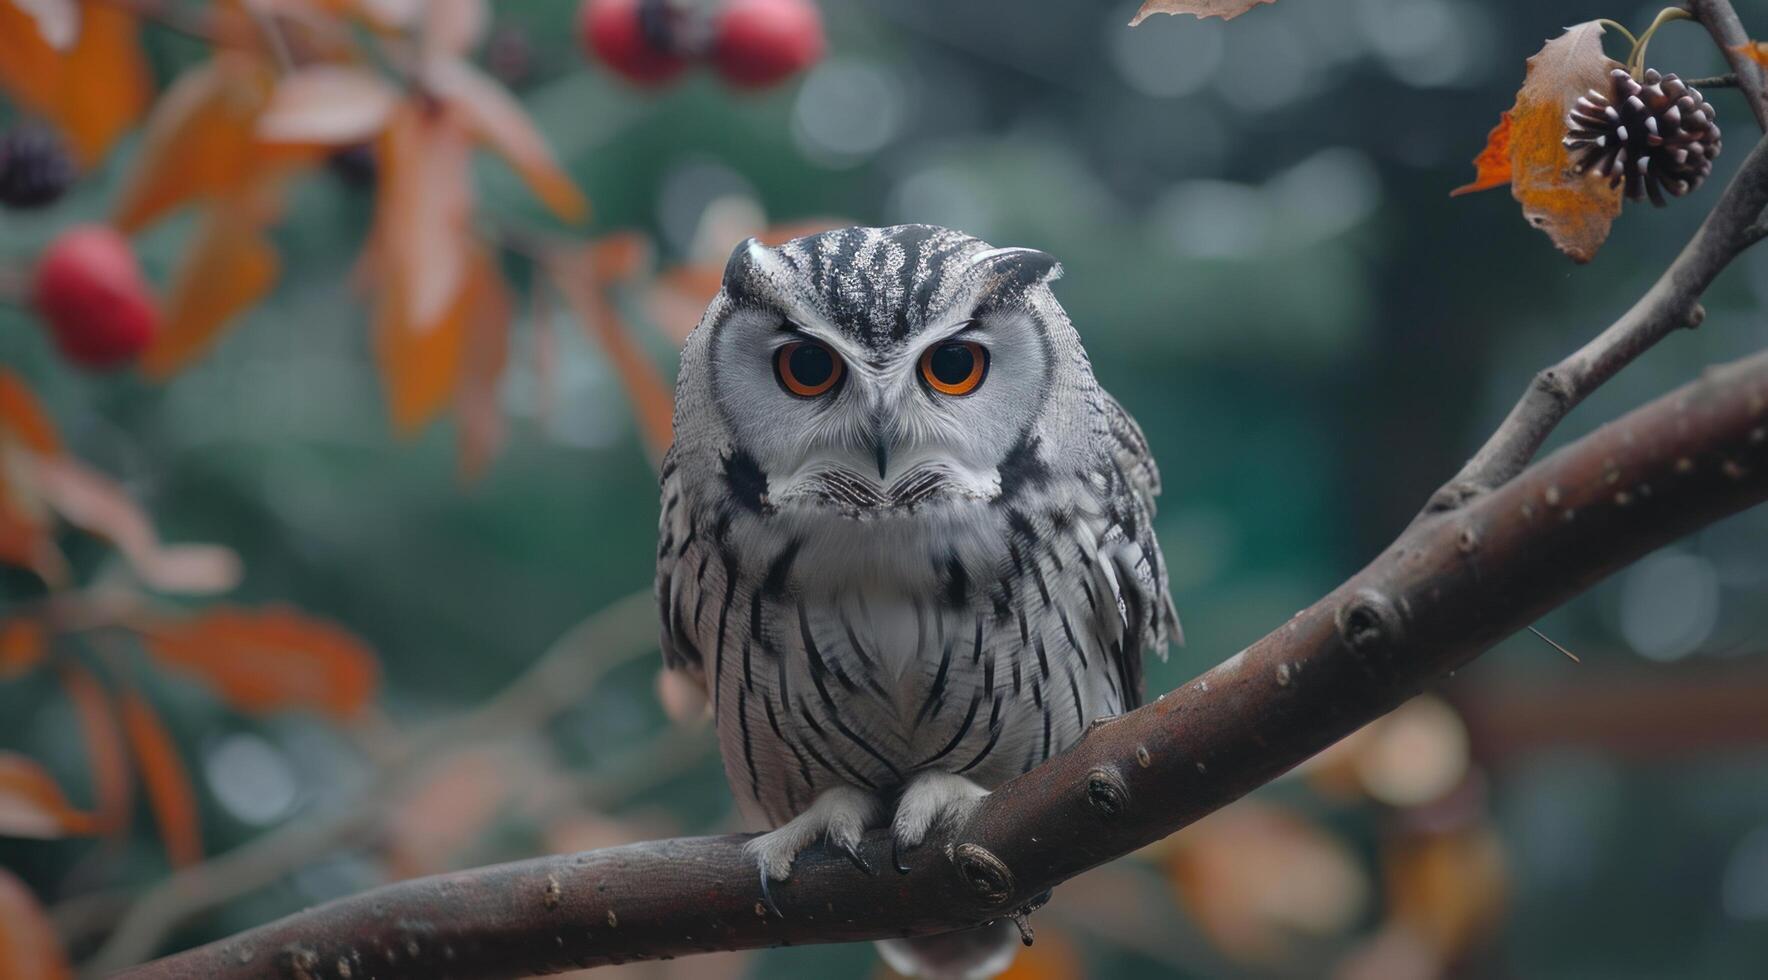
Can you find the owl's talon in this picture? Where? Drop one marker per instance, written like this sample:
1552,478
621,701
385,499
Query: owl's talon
896,850
767,896
851,849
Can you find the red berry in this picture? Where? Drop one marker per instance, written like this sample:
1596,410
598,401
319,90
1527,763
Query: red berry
90,289
757,43
616,32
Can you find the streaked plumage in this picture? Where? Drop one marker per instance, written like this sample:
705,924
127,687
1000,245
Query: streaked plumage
884,581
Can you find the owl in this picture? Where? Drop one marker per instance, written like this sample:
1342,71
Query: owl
906,543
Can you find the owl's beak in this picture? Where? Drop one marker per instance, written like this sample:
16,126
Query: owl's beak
882,427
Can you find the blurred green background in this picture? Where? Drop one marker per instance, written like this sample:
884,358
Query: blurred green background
1267,271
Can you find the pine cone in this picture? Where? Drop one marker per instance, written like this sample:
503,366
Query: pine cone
35,168
1656,134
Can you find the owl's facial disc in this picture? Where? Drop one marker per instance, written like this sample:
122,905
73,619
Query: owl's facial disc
855,394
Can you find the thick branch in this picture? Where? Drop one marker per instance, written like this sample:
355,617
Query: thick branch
1447,590
1728,33
1672,302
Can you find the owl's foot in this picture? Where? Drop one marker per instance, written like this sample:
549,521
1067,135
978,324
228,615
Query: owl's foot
841,814
930,800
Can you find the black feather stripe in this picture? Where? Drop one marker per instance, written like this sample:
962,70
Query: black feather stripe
963,730
748,743
937,691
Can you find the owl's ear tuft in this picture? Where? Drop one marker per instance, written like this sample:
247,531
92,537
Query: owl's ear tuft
750,266
1007,274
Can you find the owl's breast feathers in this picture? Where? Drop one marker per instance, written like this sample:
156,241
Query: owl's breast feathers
970,636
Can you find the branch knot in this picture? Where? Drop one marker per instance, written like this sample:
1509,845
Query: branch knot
987,875
1368,622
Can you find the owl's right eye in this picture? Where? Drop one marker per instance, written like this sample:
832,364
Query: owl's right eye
806,368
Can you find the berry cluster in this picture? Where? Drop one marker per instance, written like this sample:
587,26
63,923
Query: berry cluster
752,44
1655,134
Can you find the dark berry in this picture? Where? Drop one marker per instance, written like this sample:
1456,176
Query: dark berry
354,165
634,38
35,168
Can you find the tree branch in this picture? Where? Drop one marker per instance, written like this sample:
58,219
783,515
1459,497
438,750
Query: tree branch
1448,589
1673,302
1728,33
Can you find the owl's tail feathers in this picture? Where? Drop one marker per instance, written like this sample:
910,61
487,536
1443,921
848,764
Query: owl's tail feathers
968,954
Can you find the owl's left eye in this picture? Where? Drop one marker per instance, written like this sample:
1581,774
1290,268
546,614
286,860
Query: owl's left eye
806,368
955,367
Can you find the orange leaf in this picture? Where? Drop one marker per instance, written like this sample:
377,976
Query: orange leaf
1449,887
168,787
580,278
23,645
481,423
327,105
29,944
93,91
1492,167
498,119
32,805
95,503
1574,208
21,415
25,538
229,267
271,659
1756,51
1201,9
106,749
200,141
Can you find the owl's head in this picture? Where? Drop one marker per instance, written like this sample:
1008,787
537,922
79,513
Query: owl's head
875,370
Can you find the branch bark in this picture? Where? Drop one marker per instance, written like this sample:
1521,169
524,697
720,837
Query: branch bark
1673,302
1722,23
1448,589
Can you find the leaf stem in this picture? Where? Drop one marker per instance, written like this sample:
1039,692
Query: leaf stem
1636,61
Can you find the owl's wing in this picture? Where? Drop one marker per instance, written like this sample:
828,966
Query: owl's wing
1139,568
675,550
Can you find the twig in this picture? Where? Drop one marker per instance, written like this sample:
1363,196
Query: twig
1445,591
1728,33
563,675
1673,302
1727,80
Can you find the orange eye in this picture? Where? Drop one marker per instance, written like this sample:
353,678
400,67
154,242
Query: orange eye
955,367
806,368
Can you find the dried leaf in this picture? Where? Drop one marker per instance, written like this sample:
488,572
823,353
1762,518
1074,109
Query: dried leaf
23,645
1574,209
23,417
481,422
1449,888
1201,9
29,944
451,804
93,91
58,21
32,804
582,277
229,267
201,139
1259,880
422,223
327,105
1492,167
169,792
452,28
26,523
106,749
271,659
497,119
96,503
